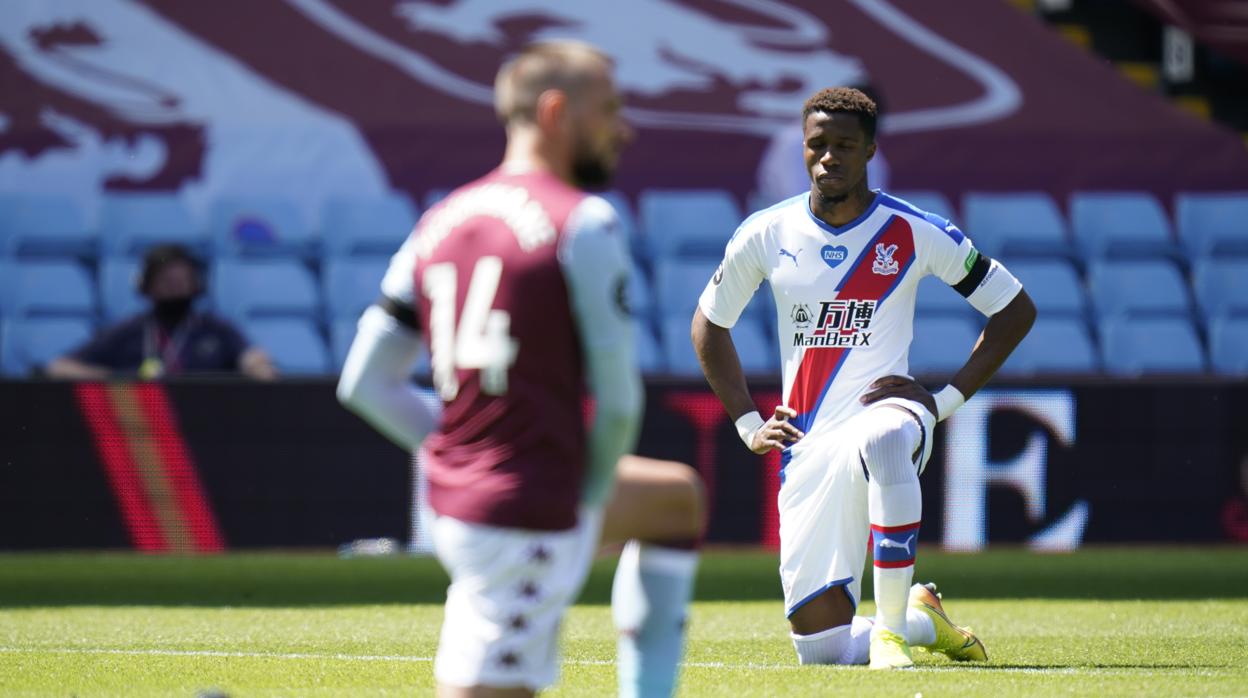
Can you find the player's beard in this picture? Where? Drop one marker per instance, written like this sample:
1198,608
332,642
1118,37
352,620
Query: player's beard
832,200
590,172
590,169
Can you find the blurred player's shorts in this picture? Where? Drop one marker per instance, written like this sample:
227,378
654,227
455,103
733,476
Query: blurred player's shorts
509,590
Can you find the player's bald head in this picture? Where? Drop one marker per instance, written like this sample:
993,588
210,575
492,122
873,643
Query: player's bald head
569,66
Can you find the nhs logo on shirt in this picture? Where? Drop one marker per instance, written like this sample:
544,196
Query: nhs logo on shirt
833,255
839,323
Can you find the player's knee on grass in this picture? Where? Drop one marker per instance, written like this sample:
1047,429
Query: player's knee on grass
844,644
891,437
828,610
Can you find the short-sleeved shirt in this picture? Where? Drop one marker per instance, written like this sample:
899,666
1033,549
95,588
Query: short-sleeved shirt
844,295
203,343
490,272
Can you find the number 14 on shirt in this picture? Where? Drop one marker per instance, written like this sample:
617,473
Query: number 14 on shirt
483,339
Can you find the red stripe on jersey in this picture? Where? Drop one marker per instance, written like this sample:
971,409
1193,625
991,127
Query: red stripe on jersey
821,364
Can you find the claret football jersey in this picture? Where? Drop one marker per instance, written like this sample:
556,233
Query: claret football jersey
489,273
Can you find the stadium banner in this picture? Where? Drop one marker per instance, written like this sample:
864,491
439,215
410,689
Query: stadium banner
359,97
200,467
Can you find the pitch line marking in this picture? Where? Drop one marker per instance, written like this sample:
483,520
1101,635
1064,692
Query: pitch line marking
578,662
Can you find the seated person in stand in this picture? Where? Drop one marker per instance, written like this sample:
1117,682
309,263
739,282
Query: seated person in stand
171,338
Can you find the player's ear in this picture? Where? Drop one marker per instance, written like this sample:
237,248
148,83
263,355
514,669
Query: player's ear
551,107
871,150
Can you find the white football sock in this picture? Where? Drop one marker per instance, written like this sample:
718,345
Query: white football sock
836,646
826,647
920,631
895,506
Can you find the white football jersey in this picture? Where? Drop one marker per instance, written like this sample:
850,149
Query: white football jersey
844,295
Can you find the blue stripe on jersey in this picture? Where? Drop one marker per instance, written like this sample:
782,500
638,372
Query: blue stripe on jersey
785,457
900,275
947,227
839,230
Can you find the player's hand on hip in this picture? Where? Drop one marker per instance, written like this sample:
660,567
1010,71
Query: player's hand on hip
899,386
777,433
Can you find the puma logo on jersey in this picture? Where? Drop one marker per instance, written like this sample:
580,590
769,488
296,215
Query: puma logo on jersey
884,264
890,543
790,255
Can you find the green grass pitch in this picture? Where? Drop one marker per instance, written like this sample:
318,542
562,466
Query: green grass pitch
1103,622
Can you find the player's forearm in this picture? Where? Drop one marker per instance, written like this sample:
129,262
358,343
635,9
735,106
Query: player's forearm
375,385
613,434
66,368
721,365
1000,336
255,364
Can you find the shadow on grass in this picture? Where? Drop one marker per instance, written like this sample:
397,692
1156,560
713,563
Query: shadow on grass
311,579
1076,668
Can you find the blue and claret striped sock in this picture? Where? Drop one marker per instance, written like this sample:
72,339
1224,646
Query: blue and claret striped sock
649,602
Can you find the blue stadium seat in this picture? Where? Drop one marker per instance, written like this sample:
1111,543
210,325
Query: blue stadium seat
1137,288
1055,345
1053,285
930,201
366,226
763,308
756,347
1164,345
757,201
1228,345
296,347
6,283
43,225
1113,225
1213,223
258,226
649,353
1221,287
353,284
628,224
678,348
935,297
341,334
677,285
119,288
690,223
46,288
130,223
1018,224
248,288
640,295
27,345
941,345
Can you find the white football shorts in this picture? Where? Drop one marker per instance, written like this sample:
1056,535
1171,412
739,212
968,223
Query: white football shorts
509,590
824,524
